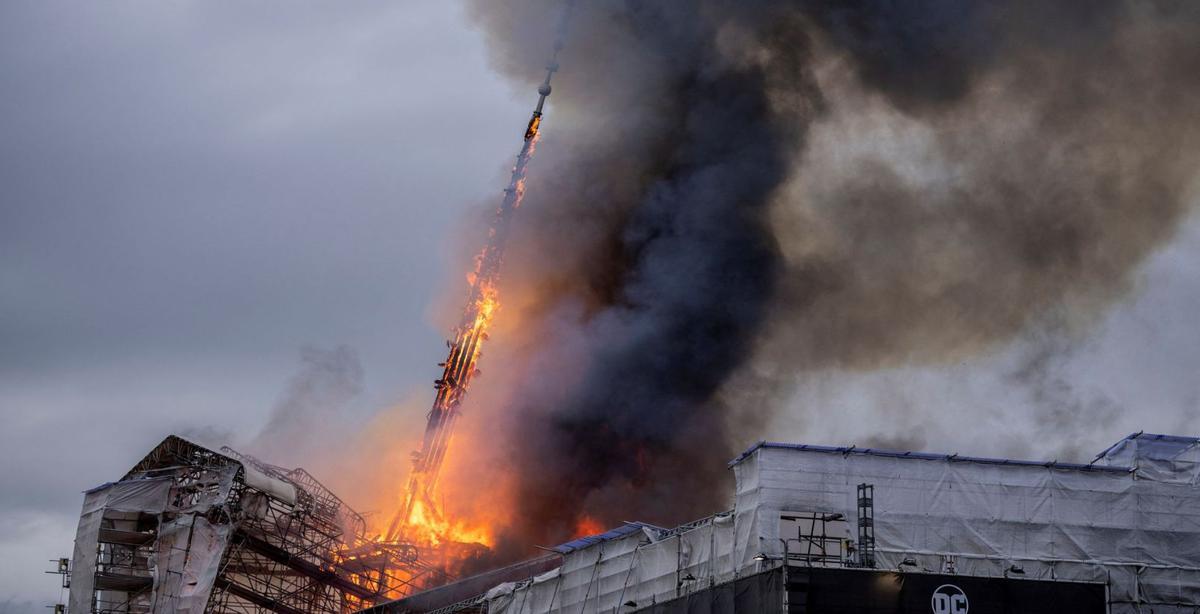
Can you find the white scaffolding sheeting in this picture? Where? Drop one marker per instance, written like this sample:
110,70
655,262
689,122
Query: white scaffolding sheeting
634,564
148,496
1164,458
190,530
187,557
187,548
1132,522
1137,530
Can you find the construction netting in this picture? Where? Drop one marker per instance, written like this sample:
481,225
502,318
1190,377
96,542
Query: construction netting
180,563
1163,458
637,564
1137,531
1133,527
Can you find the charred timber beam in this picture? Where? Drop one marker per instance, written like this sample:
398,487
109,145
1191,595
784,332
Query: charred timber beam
120,582
261,601
125,538
302,566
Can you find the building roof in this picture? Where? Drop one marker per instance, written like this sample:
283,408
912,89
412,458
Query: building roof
1161,446
955,458
624,530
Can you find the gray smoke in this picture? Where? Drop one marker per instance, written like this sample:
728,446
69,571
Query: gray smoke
312,415
733,194
1059,408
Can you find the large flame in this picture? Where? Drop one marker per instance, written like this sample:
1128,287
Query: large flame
443,518
435,530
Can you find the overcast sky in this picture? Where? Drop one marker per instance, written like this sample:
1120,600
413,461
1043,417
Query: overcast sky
193,192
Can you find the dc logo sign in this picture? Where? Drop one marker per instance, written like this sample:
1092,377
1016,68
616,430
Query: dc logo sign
949,599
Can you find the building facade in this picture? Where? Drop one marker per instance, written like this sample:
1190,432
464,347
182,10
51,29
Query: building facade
824,530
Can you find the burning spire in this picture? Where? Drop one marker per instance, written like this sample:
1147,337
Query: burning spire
459,368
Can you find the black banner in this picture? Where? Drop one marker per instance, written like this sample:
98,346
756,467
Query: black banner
850,591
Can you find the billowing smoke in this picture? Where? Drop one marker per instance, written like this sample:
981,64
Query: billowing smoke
313,409
733,193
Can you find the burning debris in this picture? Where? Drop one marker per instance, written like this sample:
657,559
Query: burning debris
419,522
199,530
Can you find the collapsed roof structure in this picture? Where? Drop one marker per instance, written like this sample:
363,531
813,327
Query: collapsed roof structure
190,529
826,529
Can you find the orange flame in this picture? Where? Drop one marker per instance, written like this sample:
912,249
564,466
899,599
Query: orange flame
426,527
452,536
586,526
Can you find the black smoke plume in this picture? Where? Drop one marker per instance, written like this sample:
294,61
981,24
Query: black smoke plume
732,193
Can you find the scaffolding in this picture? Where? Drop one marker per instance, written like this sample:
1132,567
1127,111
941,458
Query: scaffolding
866,525
1119,535
189,529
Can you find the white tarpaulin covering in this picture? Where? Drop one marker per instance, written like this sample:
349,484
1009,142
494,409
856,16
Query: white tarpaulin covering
150,496
1165,458
187,548
1132,523
276,488
1139,530
640,565
187,557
